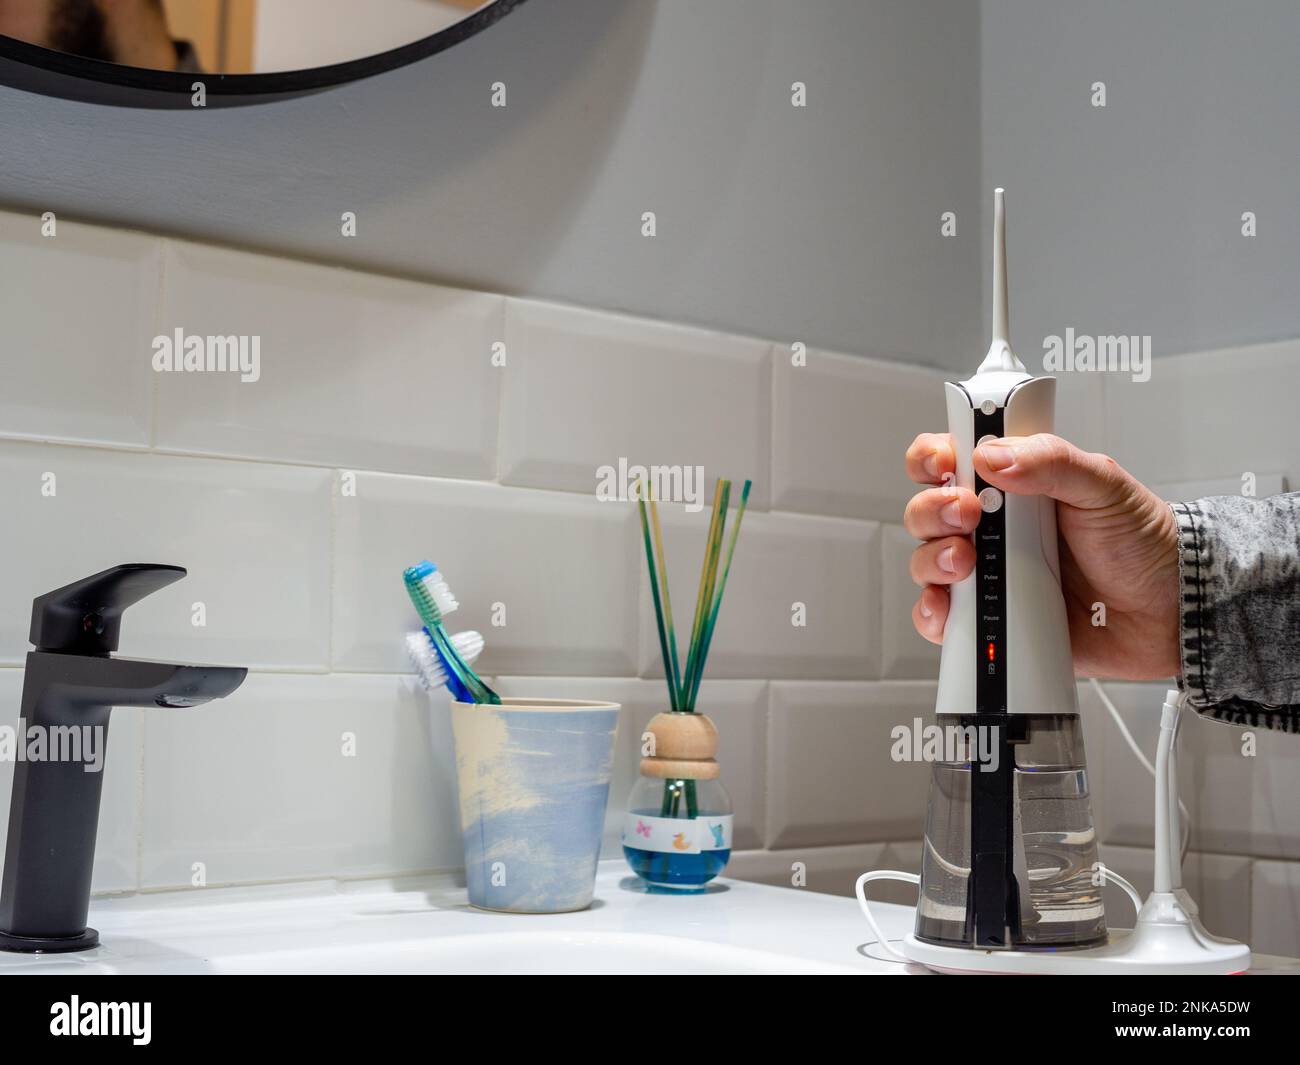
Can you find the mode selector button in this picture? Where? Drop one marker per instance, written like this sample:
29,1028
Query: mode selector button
990,500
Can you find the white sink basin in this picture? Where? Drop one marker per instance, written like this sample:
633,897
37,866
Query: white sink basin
532,954
424,925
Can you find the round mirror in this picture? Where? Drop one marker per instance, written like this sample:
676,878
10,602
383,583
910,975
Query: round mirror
201,53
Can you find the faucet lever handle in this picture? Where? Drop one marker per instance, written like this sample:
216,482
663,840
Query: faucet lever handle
85,617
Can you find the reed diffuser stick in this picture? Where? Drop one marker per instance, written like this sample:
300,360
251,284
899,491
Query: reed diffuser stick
712,623
703,599
671,668
659,611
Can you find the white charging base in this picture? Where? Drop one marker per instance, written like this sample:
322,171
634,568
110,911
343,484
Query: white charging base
1169,938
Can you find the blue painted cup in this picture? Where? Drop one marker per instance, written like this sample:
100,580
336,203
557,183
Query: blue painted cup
533,777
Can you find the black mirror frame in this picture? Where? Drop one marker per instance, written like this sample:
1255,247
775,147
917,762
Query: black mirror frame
32,68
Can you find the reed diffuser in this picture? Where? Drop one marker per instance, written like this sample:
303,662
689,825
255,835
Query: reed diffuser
677,836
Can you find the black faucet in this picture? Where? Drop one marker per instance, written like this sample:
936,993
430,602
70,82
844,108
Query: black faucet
71,684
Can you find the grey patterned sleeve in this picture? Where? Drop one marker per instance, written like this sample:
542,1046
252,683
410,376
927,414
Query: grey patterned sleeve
1239,613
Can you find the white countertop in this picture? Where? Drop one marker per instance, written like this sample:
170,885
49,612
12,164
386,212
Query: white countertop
425,925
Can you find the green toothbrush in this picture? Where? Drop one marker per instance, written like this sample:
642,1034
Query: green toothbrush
432,599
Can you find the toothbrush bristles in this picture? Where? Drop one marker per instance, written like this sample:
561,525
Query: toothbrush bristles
432,599
428,665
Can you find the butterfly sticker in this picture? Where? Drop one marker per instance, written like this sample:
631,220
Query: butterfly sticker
642,828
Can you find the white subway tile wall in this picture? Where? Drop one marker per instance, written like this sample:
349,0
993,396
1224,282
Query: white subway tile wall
394,420
1220,884
905,653
356,370
550,578
1215,761
80,308
585,389
255,537
823,731
1212,414
1080,408
299,777
839,425
1275,907
833,870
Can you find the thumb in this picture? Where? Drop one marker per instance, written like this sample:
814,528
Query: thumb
1047,465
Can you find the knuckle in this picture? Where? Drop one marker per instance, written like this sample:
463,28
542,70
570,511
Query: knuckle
916,565
963,550
910,511
1054,456
1117,481
1054,451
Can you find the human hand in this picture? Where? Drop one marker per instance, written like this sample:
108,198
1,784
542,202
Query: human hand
1118,546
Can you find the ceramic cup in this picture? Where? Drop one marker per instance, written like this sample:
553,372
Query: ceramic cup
533,777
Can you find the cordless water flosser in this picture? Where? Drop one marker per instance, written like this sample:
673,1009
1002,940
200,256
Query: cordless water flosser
1010,880
1006,646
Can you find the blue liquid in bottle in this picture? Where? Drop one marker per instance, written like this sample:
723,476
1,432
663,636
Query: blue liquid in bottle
676,873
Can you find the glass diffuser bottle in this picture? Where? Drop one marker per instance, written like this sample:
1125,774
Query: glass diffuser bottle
677,832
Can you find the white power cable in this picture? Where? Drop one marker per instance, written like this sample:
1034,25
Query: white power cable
1128,888
1146,763
860,889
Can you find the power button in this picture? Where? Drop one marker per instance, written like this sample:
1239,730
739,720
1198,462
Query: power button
990,500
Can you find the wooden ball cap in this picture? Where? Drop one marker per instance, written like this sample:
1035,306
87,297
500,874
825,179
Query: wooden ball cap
685,746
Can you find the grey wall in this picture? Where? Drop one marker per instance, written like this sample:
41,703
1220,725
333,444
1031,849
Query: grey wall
1127,219
819,224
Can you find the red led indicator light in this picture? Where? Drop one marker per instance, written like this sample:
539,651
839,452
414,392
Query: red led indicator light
992,652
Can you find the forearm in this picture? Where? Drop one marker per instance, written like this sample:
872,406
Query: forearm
1239,613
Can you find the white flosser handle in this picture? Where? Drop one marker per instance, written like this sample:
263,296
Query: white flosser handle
860,889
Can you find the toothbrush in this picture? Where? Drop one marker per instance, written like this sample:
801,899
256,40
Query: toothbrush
429,665
432,599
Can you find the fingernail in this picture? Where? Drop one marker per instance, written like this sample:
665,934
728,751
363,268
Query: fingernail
931,464
951,514
998,456
945,560
926,612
